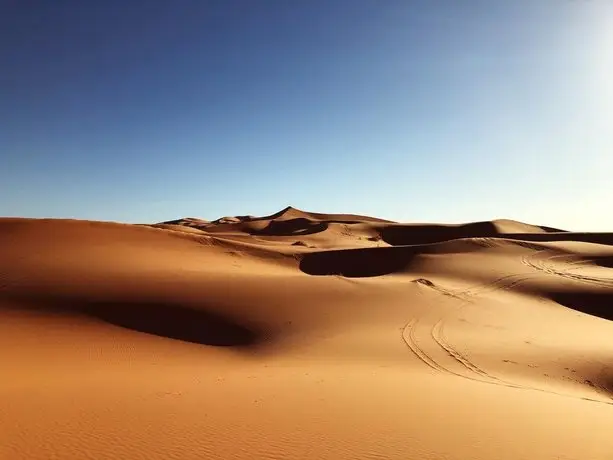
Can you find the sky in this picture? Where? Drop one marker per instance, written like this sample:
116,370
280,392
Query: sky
411,110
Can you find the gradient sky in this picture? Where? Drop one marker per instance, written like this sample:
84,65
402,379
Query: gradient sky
413,110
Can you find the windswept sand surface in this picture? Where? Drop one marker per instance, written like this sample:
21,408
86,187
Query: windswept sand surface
304,336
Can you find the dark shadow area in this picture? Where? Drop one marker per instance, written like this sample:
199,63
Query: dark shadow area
598,238
400,235
164,319
175,322
551,229
603,261
292,227
592,303
358,263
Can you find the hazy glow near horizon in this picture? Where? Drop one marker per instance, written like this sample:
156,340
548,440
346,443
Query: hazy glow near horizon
409,110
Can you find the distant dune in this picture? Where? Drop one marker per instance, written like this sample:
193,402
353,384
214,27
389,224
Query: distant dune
304,335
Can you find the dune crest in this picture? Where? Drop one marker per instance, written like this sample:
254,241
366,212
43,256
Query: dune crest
303,334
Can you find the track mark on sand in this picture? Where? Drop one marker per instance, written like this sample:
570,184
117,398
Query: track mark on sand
435,337
546,265
467,369
439,337
408,335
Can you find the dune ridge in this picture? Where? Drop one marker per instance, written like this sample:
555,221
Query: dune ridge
304,335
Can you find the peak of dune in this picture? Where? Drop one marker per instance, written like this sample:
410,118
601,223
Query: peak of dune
289,212
289,209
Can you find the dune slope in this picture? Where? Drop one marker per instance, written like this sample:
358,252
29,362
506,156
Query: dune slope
304,335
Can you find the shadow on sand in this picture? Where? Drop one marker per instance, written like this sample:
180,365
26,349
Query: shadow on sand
292,227
164,319
592,303
358,263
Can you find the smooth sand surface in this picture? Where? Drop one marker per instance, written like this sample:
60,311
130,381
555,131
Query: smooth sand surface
304,336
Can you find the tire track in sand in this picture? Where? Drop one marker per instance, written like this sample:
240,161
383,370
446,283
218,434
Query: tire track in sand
467,369
545,265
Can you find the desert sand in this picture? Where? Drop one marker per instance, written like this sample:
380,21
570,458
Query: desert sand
304,336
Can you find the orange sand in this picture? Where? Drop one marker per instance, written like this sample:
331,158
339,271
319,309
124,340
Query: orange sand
304,336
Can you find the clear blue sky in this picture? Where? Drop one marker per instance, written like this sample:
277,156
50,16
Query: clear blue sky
414,110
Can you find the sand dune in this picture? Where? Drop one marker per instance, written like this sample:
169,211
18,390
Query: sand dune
304,335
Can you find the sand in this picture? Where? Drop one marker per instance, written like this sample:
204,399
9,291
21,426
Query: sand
304,335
